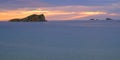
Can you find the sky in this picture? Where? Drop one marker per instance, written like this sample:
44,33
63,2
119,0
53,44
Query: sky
60,9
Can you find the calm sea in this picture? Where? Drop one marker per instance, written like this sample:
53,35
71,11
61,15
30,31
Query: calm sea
60,40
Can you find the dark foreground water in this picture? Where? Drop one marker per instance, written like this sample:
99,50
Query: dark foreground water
61,40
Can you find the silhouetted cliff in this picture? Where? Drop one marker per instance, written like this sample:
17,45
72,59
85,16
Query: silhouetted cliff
31,18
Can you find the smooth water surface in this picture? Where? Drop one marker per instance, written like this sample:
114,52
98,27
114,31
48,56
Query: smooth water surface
60,40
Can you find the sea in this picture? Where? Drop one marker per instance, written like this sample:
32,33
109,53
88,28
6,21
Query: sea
60,40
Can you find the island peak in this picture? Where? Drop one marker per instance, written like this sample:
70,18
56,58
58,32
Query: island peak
31,18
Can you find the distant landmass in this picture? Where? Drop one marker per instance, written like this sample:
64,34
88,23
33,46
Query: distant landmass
31,18
105,19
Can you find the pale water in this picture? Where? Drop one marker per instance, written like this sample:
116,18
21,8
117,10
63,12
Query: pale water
60,40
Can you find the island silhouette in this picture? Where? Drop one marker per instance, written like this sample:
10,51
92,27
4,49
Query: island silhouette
31,18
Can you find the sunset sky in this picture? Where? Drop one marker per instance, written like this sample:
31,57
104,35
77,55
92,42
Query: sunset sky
60,9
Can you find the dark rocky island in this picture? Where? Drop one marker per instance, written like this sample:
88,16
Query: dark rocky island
108,19
31,18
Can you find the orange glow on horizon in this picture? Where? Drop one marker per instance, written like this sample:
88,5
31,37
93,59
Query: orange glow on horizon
7,15
50,14
85,14
93,13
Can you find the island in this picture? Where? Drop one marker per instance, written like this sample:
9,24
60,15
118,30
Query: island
31,18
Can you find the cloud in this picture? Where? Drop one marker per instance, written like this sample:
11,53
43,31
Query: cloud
60,9
63,12
16,4
81,2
